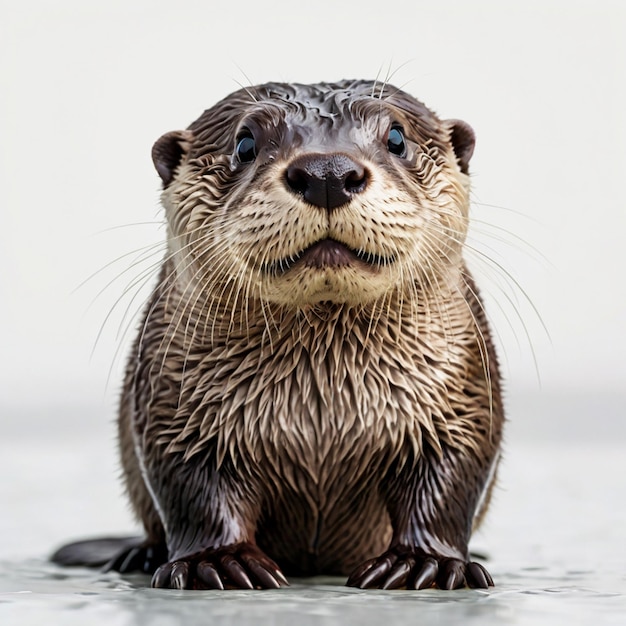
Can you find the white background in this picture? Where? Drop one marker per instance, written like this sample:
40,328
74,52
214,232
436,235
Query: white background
86,87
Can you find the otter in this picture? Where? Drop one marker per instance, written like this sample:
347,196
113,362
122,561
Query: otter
313,388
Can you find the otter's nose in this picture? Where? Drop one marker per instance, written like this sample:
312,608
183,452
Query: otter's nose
326,180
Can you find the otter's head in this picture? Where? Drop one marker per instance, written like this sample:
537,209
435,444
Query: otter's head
299,194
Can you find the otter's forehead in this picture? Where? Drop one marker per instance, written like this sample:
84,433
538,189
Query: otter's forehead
334,110
330,100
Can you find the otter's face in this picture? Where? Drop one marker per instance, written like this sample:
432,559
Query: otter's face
298,194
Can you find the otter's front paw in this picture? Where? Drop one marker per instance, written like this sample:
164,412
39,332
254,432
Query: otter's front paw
239,566
415,569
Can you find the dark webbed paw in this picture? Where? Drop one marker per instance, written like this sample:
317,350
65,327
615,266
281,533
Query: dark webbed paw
240,566
415,569
143,557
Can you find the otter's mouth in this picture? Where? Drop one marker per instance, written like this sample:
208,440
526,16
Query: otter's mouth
328,253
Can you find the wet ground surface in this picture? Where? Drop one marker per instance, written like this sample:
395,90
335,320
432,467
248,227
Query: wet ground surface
80,597
555,539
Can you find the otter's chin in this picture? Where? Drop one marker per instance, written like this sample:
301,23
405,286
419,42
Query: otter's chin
336,280
328,271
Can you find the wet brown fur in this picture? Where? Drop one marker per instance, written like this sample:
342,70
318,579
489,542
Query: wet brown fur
324,415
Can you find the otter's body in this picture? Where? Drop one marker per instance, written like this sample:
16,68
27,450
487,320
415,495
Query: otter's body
313,388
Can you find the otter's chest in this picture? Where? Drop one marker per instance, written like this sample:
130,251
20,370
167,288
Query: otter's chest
325,411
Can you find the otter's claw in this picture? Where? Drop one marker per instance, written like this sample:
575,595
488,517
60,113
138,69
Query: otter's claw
415,569
240,566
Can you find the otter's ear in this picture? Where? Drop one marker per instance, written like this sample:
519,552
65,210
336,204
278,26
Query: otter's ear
463,141
168,152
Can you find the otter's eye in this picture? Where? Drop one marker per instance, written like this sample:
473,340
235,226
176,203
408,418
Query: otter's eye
395,141
246,148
